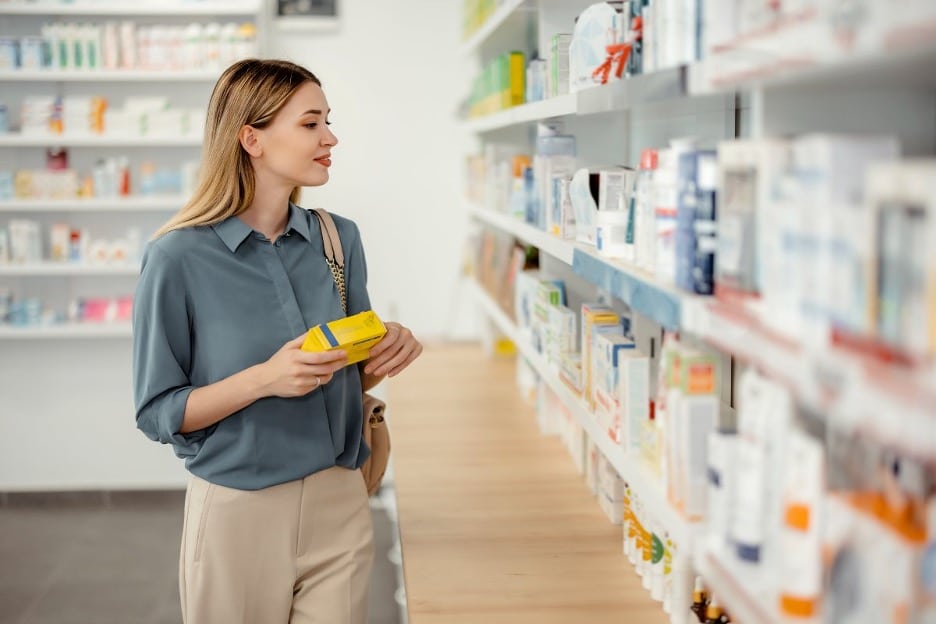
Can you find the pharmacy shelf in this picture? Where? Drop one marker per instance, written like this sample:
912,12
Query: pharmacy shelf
904,59
116,204
647,486
739,590
890,402
64,268
560,106
619,95
49,140
67,330
107,7
640,290
497,21
625,94
113,75
554,246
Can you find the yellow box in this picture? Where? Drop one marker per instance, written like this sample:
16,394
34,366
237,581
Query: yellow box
355,334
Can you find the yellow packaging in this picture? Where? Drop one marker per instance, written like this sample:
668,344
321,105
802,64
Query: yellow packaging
354,334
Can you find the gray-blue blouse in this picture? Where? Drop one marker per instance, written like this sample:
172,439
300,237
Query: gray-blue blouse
214,300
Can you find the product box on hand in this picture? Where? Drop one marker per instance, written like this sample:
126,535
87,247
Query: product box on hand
355,334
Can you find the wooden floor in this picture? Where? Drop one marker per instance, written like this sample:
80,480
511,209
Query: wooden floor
496,524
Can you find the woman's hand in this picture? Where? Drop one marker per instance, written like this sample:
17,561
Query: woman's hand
395,352
292,372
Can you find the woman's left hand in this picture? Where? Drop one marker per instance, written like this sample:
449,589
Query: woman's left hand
395,352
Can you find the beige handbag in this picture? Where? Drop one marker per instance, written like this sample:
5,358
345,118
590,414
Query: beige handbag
376,434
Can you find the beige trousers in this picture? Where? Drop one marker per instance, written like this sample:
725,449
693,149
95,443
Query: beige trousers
296,553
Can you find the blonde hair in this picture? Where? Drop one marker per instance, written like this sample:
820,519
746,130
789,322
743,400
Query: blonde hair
250,92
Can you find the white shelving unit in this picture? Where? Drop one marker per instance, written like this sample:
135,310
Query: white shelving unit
156,203
659,301
779,90
146,8
15,140
87,363
49,269
112,75
547,109
507,11
862,393
561,249
620,96
646,485
67,330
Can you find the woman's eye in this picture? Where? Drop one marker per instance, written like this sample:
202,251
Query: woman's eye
311,125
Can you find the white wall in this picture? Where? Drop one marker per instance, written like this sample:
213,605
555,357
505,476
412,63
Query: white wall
393,77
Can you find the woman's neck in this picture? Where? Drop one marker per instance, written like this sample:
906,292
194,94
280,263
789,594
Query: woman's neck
269,212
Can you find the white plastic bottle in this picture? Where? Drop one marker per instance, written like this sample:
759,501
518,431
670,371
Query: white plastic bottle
227,45
192,44
211,46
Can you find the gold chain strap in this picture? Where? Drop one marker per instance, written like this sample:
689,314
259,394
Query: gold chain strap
338,274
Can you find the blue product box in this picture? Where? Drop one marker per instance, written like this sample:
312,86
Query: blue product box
696,224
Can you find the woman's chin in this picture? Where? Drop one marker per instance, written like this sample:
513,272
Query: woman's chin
317,180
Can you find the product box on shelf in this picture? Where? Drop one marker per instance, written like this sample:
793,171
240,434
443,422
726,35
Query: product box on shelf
644,212
745,169
836,242
571,372
614,235
688,428
549,293
765,414
526,289
561,221
554,158
720,472
634,399
609,349
696,224
902,200
558,81
561,335
610,491
596,318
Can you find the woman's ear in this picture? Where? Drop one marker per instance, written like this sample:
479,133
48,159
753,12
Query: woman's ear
250,141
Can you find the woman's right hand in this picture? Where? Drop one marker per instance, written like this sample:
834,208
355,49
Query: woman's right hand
292,372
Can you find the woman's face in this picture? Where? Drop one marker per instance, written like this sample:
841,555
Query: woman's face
297,144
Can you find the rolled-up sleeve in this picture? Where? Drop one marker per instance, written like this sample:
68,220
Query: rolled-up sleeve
162,353
356,278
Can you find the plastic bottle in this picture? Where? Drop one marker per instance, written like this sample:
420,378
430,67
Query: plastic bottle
699,601
123,176
227,44
110,46
192,45
211,44
246,41
714,614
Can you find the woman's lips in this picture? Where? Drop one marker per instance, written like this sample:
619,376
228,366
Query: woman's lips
324,161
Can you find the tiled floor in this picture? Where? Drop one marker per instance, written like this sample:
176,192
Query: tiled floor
115,561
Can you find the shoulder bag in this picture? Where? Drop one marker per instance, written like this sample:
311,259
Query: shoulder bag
376,434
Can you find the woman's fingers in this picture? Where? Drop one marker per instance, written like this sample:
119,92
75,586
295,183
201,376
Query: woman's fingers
415,353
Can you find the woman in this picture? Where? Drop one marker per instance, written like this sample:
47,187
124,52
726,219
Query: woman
277,522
